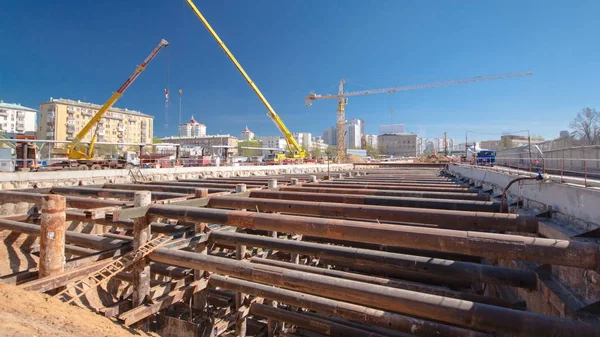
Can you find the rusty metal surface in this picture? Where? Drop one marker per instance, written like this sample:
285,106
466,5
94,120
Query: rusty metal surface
411,187
500,246
444,309
110,193
405,193
390,261
465,220
53,228
449,204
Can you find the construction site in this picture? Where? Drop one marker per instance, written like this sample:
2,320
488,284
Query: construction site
300,246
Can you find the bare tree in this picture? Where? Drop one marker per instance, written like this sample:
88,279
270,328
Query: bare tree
586,126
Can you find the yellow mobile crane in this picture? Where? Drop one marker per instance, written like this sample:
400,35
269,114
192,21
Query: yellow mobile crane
295,150
343,100
76,151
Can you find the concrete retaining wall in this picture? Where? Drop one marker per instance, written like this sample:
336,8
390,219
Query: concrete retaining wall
21,180
578,204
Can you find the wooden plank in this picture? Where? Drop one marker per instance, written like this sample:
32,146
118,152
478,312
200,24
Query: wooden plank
137,314
52,282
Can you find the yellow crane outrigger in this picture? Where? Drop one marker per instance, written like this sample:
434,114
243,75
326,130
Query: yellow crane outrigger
76,150
295,150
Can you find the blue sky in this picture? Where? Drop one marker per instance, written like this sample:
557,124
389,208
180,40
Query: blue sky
85,49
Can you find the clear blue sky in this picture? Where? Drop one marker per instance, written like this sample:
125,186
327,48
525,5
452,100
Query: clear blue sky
85,49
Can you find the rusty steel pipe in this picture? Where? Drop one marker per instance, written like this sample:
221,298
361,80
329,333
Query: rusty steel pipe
72,201
80,239
443,309
158,188
109,193
322,326
465,220
201,184
404,193
52,235
396,184
449,204
413,187
394,283
499,246
390,261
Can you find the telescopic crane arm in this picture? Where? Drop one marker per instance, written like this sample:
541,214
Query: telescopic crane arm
343,100
75,150
293,146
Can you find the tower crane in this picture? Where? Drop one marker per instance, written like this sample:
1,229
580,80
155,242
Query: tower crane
342,98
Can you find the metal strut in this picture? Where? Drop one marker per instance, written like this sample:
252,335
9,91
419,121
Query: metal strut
99,277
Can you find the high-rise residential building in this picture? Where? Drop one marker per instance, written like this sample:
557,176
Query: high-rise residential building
391,128
330,136
15,118
63,119
398,144
371,140
353,133
246,134
304,139
192,129
273,142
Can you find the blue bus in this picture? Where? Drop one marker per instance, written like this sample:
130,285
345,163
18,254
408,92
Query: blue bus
486,158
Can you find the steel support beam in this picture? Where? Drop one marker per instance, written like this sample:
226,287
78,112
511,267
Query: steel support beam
464,220
405,193
559,252
443,309
108,193
391,188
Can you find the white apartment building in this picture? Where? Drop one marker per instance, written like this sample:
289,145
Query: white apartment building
304,139
371,140
273,142
15,118
192,129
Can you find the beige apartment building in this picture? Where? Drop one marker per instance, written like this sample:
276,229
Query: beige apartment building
63,119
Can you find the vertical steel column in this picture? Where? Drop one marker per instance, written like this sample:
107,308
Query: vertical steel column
272,184
52,235
294,181
199,299
240,254
141,235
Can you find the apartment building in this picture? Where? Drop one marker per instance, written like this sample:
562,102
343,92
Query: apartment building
63,119
304,139
17,119
192,129
398,144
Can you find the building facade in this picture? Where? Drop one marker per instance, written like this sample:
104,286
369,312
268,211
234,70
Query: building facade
192,129
273,142
304,139
398,144
17,119
391,128
218,145
246,134
371,140
353,134
63,119
330,136
489,144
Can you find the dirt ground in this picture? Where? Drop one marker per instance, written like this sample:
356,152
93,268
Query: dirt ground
28,313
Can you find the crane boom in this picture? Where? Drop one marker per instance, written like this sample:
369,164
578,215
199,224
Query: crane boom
295,148
313,96
73,150
342,98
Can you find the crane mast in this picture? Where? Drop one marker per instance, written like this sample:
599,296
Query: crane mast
293,146
343,100
75,150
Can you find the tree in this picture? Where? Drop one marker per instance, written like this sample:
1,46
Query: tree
156,140
249,152
586,126
316,150
372,151
537,138
331,151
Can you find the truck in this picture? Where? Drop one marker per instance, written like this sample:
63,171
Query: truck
485,158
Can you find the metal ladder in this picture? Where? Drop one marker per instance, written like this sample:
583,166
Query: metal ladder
92,281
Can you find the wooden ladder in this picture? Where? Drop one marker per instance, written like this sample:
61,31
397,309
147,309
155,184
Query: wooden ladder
103,275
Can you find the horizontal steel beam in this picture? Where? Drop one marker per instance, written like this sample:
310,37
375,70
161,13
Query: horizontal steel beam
416,187
404,193
466,220
456,205
72,201
443,309
395,184
109,193
500,246
200,184
394,283
167,187
389,261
